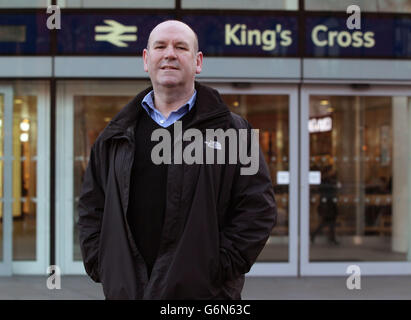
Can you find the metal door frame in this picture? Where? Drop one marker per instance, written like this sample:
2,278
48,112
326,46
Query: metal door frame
6,262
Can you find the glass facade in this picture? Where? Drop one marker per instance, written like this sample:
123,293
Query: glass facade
357,148
269,114
358,156
24,177
24,157
91,115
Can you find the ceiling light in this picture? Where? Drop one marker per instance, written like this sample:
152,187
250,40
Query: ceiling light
24,137
25,125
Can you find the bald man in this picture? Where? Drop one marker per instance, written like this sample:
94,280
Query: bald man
176,230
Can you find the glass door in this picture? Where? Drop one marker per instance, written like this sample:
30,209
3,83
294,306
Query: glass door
355,180
85,107
30,177
24,156
6,164
273,109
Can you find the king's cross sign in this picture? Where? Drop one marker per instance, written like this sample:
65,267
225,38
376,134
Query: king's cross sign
115,33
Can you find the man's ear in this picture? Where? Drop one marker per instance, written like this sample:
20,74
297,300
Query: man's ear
199,62
145,53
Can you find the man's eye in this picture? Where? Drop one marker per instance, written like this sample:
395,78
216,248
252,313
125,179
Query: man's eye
182,48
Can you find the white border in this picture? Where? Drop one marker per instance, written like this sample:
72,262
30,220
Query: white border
332,268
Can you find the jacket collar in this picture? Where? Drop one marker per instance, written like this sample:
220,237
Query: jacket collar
208,103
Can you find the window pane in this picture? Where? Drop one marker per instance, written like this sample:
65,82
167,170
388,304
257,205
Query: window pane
359,147
269,114
91,115
117,4
24,177
241,4
365,5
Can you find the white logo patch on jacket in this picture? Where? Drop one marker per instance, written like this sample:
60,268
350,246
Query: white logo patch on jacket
213,144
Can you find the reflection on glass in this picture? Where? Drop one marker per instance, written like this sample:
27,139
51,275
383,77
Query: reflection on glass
1,173
356,147
24,177
91,116
269,114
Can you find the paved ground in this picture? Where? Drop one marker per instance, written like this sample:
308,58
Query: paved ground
264,288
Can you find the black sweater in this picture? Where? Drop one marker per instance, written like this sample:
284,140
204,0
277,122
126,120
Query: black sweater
148,183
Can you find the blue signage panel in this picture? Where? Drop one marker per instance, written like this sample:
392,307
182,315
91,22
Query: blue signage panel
24,34
274,34
105,33
378,37
245,35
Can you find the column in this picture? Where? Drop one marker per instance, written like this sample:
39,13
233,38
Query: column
400,190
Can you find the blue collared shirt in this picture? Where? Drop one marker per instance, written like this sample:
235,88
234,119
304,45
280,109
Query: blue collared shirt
148,105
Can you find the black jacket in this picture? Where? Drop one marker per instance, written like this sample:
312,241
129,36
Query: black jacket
216,222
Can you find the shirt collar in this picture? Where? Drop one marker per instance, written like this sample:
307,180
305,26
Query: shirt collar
148,103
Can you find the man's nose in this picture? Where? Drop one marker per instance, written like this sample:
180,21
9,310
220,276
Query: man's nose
170,53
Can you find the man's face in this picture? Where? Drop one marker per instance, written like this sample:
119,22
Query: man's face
171,59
